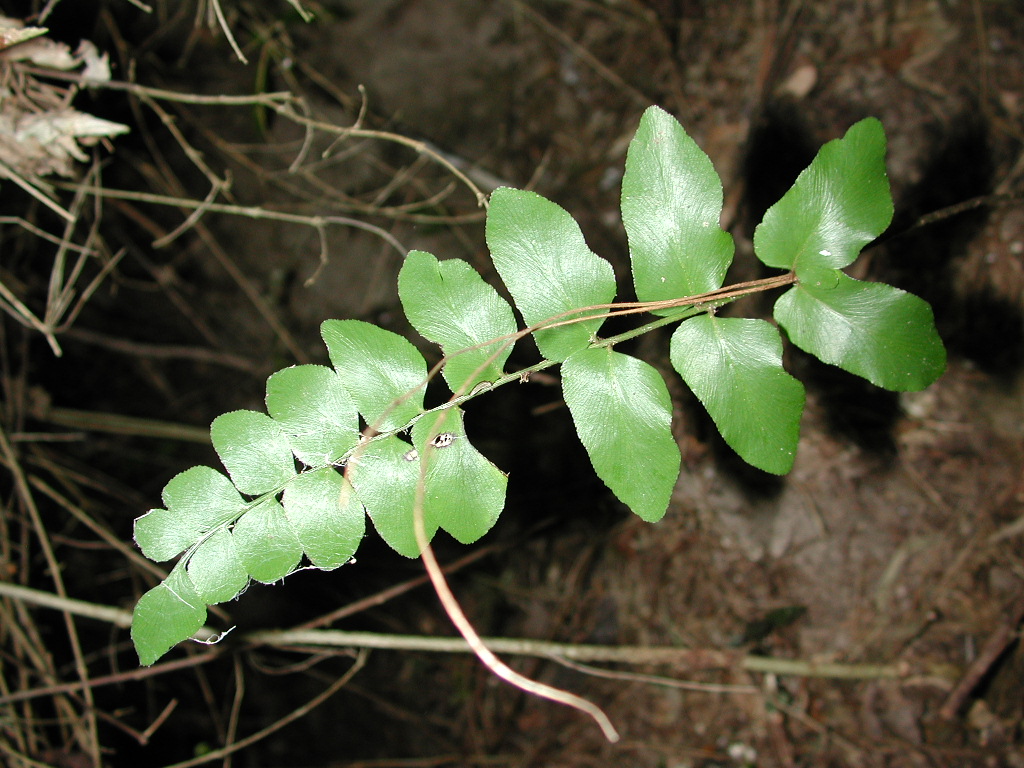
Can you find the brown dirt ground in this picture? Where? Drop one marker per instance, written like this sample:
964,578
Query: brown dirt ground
898,537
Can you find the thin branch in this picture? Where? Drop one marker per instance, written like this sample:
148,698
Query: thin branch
144,736
247,211
42,234
282,103
305,15
163,351
13,306
115,616
379,598
118,424
994,648
680,658
120,678
7,172
223,22
955,210
277,725
667,682
70,606
420,147
582,53
267,99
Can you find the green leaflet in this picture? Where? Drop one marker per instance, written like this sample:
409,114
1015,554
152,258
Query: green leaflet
839,204
463,492
167,614
734,366
382,371
385,476
215,569
539,251
197,500
266,543
623,416
315,413
254,450
325,514
873,330
451,305
671,204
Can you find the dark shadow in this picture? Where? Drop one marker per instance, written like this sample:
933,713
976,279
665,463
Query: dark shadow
989,332
976,325
527,431
780,146
755,484
855,410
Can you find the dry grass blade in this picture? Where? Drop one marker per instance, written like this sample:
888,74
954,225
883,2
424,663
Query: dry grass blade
85,724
